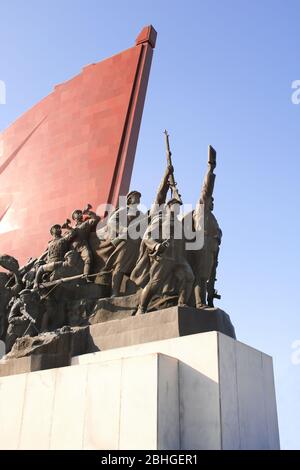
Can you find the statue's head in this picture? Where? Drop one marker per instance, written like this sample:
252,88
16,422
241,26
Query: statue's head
173,206
133,198
55,230
25,295
77,215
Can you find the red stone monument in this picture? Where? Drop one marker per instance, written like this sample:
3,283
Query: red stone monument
75,146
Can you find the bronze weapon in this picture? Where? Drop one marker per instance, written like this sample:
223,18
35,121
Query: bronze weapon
172,182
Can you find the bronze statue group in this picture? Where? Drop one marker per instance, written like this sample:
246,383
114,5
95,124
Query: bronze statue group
127,253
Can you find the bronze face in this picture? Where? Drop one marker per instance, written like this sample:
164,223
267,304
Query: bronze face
56,230
77,216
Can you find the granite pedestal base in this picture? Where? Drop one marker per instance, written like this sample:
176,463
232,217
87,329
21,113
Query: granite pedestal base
124,331
201,391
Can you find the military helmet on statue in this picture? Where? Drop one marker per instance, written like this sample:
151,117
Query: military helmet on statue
131,194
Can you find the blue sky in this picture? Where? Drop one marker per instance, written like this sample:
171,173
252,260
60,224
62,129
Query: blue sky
221,75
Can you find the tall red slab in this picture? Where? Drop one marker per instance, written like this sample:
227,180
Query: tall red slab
75,146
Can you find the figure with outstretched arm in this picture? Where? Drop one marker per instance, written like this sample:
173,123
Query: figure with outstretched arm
163,257
81,233
204,261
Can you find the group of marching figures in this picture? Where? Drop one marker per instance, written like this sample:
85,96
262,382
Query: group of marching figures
156,261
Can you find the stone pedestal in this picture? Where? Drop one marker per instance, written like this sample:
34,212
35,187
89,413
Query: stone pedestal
109,330
202,391
171,322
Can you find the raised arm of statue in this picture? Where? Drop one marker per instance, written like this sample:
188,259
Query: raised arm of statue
164,186
92,220
209,180
92,215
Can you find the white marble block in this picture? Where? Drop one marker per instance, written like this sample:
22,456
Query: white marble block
203,391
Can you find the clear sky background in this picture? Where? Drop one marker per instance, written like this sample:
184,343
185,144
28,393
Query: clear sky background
221,75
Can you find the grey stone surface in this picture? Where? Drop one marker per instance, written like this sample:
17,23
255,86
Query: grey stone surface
114,308
50,350
138,417
32,363
35,429
118,308
197,382
70,341
46,351
163,324
68,408
101,430
168,403
192,392
12,398
247,393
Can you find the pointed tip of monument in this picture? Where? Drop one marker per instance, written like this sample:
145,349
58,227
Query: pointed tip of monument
147,35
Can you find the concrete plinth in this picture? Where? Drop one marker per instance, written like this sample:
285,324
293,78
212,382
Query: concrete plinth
168,323
203,391
171,322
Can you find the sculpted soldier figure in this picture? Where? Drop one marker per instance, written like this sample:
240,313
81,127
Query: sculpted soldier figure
163,251
59,245
125,231
4,300
10,286
59,269
29,276
205,260
56,250
57,272
81,233
24,317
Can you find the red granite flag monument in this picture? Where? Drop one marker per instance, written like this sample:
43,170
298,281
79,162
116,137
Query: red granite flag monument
75,146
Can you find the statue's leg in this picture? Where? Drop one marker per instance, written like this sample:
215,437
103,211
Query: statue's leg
210,292
117,279
146,296
203,292
87,260
10,339
200,281
197,291
45,268
211,281
186,281
159,272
